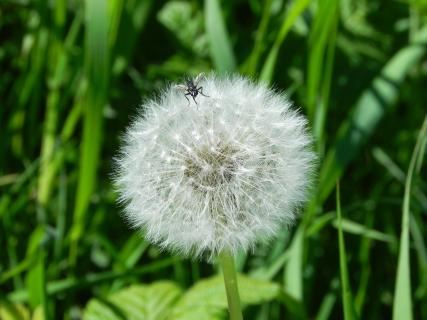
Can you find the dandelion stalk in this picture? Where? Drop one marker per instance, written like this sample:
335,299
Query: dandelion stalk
226,261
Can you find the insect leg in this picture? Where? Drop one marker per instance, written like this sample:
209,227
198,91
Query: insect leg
200,89
194,98
185,95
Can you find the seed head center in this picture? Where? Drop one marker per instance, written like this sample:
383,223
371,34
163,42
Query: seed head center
211,166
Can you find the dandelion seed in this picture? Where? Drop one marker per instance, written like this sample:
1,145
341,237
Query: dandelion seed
219,177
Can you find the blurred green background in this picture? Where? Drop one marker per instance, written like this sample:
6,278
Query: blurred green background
72,76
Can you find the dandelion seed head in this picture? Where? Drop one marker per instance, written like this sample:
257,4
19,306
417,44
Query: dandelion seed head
221,175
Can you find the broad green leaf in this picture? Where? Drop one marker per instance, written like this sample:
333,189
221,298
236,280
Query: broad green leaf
219,41
135,302
402,306
38,314
13,311
200,312
207,299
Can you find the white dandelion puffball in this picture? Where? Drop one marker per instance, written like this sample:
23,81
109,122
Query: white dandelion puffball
218,175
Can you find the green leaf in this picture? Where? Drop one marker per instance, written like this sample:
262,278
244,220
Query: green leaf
92,279
186,24
267,71
13,311
319,223
200,312
220,46
320,66
359,229
369,110
135,302
397,173
249,67
349,313
35,278
402,306
207,299
420,247
320,35
134,16
97,75
293,306
328,301
38,314
293,271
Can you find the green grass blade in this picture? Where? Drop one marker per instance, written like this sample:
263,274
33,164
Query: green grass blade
36,276
129,255
397,173
97,75
59,70
322,47
328,301
347,300
134,17
22,266
268,273
294,307
420,247
293,271
60,13
369,110
352,227
402,306
115,9
268,68
50,124
219,41
365,270
251,64
321,64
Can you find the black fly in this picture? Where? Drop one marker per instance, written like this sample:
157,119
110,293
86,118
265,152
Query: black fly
191,88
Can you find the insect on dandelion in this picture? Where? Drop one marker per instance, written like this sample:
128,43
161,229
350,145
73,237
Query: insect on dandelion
191,88
218,177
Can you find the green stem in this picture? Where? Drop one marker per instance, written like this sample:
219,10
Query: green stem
226,261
